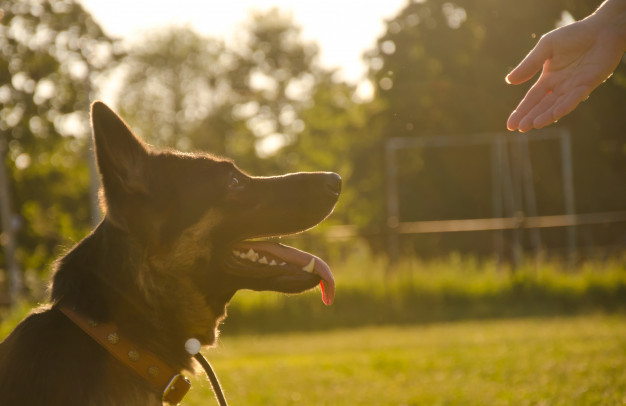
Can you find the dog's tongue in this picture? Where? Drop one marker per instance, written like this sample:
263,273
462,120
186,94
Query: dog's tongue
302,259
328,282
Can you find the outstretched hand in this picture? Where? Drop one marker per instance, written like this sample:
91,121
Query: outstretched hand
575,59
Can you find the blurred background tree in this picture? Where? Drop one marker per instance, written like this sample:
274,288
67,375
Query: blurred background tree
253,100
173,86
49,52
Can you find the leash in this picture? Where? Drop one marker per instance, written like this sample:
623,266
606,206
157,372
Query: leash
215,383
192,346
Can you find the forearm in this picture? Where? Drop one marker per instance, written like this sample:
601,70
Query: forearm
611,8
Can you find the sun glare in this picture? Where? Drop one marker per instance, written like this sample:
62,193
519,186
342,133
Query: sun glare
341,41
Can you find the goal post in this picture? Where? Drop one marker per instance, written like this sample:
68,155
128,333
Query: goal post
513,194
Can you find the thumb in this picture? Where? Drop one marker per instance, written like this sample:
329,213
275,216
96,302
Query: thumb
530,65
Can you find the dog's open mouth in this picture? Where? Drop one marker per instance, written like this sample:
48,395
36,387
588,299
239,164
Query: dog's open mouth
273,266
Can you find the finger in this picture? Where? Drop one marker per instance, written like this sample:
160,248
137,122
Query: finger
544,119
513,122
572,99
563,106
534,96
545,106
530,65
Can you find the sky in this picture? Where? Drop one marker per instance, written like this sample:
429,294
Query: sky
343,29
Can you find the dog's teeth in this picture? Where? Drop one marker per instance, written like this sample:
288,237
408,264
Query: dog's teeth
251,255
283,263
242,255
310,266
273,263
263,261
236,253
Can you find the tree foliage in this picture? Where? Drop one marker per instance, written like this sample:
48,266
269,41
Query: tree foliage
244,100
173,83
49,50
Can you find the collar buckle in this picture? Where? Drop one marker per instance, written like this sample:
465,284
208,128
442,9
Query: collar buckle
176,390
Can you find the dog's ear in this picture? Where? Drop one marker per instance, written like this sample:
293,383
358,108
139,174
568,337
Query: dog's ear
122,161
120,154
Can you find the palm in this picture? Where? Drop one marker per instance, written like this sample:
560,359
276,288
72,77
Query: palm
575,60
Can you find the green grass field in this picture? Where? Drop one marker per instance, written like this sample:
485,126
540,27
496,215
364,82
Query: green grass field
536,361
370,292
454,331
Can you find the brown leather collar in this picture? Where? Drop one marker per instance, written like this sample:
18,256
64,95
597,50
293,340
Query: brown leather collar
162,377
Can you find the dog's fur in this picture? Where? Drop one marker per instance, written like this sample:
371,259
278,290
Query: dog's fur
159,265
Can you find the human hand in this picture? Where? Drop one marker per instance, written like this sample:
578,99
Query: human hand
575,59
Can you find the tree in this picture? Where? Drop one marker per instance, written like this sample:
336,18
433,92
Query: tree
274,77
174,83
49,52
243,101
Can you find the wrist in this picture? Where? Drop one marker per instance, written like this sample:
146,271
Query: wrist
609,20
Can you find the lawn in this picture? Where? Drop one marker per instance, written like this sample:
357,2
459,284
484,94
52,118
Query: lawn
417,292
533,361
452,331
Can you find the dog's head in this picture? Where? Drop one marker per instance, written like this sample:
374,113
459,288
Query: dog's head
191,218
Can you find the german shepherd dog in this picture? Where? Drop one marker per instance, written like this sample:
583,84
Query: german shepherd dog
178,239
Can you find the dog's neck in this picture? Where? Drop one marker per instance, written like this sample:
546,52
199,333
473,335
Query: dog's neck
88,279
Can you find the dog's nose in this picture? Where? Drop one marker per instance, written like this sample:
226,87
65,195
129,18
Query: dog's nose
333,183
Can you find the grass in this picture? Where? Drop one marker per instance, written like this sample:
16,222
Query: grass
369,292
455,331
537,361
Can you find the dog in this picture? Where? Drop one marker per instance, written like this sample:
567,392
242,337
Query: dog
180,235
